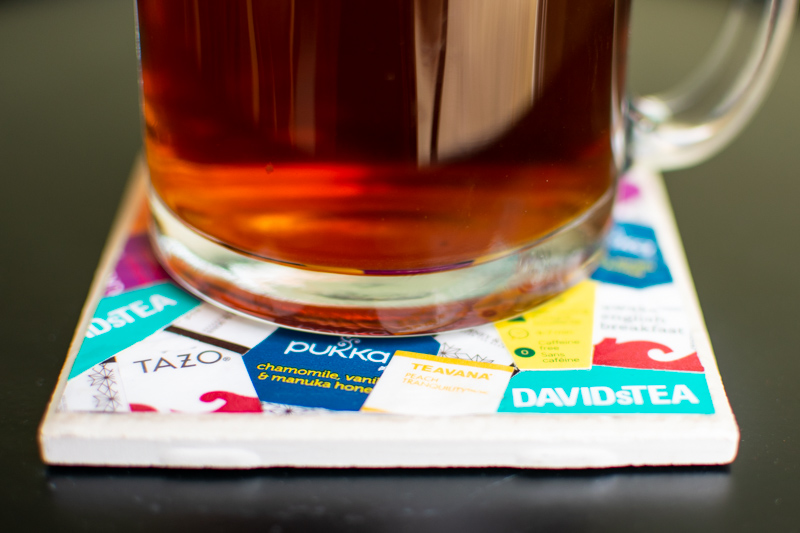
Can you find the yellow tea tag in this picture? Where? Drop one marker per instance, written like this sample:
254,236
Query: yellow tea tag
556,335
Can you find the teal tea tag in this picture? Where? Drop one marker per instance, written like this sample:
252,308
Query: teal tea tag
608,390
125,319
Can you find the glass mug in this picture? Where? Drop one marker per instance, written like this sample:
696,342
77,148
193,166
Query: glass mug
399,167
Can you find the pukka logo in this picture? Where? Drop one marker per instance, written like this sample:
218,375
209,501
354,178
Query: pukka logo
346,348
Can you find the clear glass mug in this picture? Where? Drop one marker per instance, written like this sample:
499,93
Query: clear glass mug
400,167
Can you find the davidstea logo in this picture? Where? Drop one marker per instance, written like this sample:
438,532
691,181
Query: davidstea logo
603,396
336,373
128,314
608,390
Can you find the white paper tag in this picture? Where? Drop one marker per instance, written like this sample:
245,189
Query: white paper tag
420,384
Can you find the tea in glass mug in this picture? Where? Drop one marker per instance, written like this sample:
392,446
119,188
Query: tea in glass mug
397,167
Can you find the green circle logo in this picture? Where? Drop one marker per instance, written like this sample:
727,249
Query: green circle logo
524,352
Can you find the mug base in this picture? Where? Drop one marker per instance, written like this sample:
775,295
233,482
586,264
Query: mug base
380,305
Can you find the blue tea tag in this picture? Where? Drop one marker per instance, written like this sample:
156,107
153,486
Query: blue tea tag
336,373
633,259
608,390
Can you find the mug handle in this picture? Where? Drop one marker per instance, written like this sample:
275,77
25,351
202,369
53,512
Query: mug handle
664,142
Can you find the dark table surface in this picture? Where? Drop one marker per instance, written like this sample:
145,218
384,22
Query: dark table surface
69,131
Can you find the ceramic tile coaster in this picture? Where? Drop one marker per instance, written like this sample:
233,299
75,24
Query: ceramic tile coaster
616,371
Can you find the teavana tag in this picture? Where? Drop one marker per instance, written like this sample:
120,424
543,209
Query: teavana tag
420,384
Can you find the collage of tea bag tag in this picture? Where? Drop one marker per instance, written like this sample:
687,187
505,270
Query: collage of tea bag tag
624,342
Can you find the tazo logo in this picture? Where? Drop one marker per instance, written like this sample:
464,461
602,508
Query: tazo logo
208,357
345,349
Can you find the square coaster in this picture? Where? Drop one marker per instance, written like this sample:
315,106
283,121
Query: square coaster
617,371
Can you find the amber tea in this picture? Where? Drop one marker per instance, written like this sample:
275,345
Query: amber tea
383,139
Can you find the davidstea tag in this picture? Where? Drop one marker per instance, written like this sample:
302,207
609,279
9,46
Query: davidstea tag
608,390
